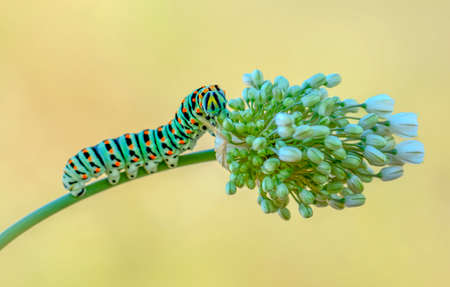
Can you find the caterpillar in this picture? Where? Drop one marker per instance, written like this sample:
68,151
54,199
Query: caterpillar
148,148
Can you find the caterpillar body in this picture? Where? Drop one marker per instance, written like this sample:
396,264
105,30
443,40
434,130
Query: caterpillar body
147,148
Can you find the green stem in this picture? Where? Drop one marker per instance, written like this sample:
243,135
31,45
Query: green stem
67,200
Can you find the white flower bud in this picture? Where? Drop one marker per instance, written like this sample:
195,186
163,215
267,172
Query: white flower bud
368,121
353,200
333,80
403,124
294,91
394,160
271,164
382,130
353,130
247,79
315,155
257,77
311,99
323,93
281,82
285,131
375,140
382,105
333,142
355,184
303,132
259,143
391,172
283,119
374,156
236,104
350,103
411,151
390,144
289,154
317,80
326,107
320,131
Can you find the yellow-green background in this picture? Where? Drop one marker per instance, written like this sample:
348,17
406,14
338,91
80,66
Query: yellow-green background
75,72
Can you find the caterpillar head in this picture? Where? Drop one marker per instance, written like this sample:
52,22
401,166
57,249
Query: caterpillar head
214,101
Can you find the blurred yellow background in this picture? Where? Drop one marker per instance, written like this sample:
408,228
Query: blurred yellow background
75,72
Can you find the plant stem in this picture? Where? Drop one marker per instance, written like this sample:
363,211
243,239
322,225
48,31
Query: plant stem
67,200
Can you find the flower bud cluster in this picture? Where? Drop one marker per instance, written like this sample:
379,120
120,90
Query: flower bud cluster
297,143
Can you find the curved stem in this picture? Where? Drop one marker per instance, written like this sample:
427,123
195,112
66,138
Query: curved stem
67,200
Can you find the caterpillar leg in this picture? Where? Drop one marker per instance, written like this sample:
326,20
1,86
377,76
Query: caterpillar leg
132,170
171,161
151,166
113,175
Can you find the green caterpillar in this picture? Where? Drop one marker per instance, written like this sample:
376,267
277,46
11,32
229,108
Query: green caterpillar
148,148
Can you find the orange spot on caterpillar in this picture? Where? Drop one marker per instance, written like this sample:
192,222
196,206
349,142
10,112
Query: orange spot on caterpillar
97,170
197,110
173,131
131,146
127,136
85,150
170,122
117,164
70,161
192,121
146,132
147,142
181,142
159,129
188,131
84,176
179,120
184,110
135,159
75,167
90,158
111,151
193,100
152,156
170,152
163,139
106,141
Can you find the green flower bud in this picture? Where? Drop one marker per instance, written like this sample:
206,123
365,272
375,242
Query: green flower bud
279,144
284,213
324,168
244,167
353,200
266,90
245,95
294,91
240,128
352,161
235,116
271,164
249,139
338,172
353,130
315,155
336,204
251,184
326,107
247,79
277,94
259,199
285,131
252,93
334,187
365,178
247,115
259,143
230,188
317,80
236,104
289,154
287,102
323,93
234,167
306,196
375,140
390,144
233,177
296,117
284,174
339,154
325,121
281,83
267,206
305,210
303,132
311,99
267,184
240,180
374,156
346,191
320,131
282,190
257,77
243,153
228,125
332,143
355,184
319,179
368,121
342,123
260,124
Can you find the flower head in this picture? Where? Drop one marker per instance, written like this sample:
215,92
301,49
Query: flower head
300,143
